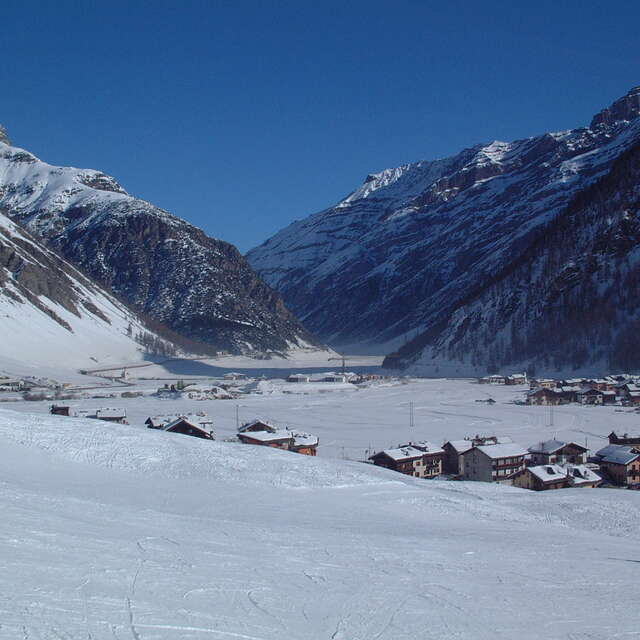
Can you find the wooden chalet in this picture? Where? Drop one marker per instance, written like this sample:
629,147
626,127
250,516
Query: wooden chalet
625,439
554,476
547,396
419,459
60,410
621,463
111,415
263,433
158,422
541,478
590,396
196,426
557,452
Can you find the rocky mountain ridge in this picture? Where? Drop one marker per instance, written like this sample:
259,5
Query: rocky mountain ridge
51,313
406,250
163,266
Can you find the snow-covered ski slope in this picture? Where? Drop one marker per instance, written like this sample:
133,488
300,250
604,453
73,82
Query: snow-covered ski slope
112,532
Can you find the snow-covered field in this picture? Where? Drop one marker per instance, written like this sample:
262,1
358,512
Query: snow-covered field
121,532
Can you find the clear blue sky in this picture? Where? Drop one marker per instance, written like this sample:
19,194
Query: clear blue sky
243,116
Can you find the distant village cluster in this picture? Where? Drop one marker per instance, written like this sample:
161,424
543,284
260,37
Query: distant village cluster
552,464
623,389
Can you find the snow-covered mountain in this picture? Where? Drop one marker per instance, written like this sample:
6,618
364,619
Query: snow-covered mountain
402,256
52,317
198,286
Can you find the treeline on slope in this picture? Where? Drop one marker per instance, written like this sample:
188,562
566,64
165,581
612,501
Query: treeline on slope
569,300
169,342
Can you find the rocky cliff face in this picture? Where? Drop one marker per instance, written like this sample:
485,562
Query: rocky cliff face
51,314
404,252
198,286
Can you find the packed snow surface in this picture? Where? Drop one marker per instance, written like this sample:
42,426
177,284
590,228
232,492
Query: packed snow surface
117,532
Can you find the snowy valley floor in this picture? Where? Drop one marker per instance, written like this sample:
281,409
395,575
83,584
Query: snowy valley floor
120,532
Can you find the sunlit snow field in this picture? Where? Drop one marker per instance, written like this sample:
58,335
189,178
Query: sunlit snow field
117,531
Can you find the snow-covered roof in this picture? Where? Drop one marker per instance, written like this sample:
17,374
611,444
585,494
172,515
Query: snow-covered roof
505,450
202,422
111,413
548,472
426,447
551,446
401,453
581,474
247,426
301,439
267,436
460,445
617,454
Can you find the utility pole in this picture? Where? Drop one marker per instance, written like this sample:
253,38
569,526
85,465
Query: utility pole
411,420
237,418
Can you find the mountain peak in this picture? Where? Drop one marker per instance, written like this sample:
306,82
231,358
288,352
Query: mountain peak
3,135
625,108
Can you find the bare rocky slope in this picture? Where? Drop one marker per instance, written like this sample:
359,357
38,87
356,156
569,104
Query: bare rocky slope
405,255
163,266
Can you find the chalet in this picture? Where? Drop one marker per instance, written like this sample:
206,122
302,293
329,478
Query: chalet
191,425
258,424
60,410
626,390
590,396
261,432
111,415
547,383
418,459
625,438
158,422
621,463
280,439
493,379
570,393
516,378
553,476
579,475
493,462
298,377
546,396
557,452
304,443
542,478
